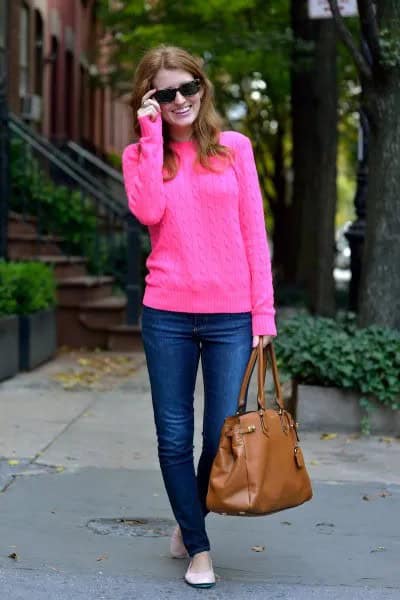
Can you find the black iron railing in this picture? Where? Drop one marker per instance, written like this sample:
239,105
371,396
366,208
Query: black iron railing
110,178
68,200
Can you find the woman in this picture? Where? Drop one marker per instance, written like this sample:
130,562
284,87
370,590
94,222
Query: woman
209,291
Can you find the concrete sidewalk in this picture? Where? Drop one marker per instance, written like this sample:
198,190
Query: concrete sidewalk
74,462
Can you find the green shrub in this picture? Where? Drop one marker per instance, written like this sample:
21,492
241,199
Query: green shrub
8,303
114,159
328,352
26,287
60,210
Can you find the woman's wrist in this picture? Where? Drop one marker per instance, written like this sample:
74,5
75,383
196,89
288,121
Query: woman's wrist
150,128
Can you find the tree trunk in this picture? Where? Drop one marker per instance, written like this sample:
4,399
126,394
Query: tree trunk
380,277
380,281
314,115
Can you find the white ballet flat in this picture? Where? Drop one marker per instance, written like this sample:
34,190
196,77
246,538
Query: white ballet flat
177,547
204,579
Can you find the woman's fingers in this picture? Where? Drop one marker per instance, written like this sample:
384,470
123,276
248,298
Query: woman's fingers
266,339
148,95
147,100
149,106
151,102
148,110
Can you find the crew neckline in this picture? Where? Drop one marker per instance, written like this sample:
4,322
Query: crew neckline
181,142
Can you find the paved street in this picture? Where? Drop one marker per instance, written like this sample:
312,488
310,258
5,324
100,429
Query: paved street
84,513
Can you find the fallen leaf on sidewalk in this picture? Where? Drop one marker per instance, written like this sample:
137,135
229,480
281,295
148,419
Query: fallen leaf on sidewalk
381,494
103,557
96,370
328,436
13,555
60,469
258,548
13,461
384,493
84,362
314,462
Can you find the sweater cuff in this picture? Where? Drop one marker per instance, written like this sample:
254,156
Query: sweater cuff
264,324
149,128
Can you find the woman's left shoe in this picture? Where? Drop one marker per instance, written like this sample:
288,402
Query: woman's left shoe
177,547
205,579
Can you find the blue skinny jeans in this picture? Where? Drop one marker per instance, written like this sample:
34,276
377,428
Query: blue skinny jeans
173,344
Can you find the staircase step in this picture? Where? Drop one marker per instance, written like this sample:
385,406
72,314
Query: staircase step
18,225
25,245
88,324
72,291
88,316
103,313
14,216
125,338
65,266
74,334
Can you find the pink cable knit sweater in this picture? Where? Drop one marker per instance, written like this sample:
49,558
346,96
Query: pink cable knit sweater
209,249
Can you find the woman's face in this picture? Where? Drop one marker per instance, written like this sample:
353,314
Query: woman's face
183,111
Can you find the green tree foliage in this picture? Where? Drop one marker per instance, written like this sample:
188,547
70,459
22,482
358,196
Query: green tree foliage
247,48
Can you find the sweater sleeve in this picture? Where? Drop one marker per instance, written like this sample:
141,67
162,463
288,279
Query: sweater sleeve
252,221
142,165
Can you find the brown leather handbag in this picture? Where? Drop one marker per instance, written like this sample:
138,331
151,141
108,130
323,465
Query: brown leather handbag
259,466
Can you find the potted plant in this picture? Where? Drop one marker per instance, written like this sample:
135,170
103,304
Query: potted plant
28,291
9,325
35,298
343,376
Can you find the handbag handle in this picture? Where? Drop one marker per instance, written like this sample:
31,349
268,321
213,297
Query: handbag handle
261,353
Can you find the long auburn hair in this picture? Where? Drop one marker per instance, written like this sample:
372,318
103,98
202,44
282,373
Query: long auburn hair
207,125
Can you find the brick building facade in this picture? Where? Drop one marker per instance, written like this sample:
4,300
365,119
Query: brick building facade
51,69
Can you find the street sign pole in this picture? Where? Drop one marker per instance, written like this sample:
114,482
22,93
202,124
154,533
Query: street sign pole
320,9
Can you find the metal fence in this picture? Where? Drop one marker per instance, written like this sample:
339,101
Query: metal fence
86,207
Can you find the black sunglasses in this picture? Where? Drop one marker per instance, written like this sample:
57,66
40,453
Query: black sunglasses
186,89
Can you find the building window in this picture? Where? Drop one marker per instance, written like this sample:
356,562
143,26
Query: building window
24,51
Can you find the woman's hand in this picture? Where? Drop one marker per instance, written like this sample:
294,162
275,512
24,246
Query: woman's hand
149,106
266,339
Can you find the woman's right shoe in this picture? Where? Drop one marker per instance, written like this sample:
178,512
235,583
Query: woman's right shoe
177,547
205,579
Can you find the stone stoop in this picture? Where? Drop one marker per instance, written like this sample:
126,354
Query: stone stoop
89,315
125,338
